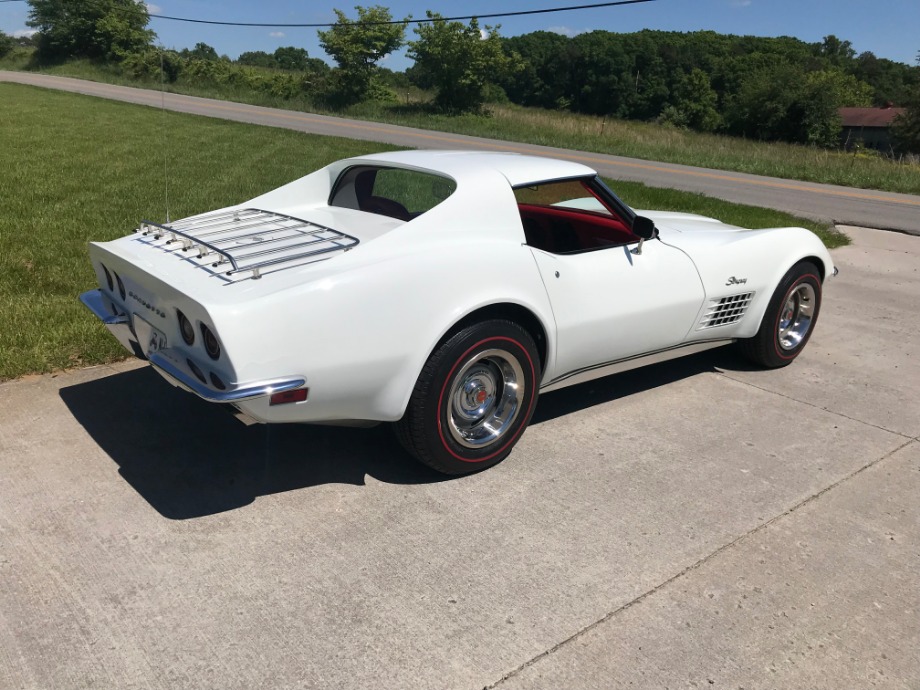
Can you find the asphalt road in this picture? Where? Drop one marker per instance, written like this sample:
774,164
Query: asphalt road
819,201
694,524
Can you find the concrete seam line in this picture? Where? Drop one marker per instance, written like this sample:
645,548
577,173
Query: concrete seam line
823,409
694,566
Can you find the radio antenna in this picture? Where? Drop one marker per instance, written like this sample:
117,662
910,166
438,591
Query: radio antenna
163,108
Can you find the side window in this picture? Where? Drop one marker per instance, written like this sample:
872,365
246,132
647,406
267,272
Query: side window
568,217
394,192
418,192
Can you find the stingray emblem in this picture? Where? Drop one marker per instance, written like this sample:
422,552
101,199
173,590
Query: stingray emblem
736,281
146,304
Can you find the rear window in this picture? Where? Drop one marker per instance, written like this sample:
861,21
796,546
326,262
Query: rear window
394,192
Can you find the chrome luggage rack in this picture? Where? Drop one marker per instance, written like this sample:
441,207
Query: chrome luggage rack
250,239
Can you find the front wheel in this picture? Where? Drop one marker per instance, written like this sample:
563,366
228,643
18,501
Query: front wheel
473,399
789,320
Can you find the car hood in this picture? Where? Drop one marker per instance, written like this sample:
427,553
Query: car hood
688,222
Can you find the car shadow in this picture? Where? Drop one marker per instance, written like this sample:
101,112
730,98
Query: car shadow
188,458
610,388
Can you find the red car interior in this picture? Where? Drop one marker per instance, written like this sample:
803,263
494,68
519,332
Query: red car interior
564,230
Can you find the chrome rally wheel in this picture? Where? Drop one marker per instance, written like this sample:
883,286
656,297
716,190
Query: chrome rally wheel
473,398
485,398
796,317
789,320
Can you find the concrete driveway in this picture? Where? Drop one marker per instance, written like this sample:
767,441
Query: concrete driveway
695,524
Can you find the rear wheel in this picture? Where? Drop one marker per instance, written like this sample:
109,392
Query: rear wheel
473,399
789,320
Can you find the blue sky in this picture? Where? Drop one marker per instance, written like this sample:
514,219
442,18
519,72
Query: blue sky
888,28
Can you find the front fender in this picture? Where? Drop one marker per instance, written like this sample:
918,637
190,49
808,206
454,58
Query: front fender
760,258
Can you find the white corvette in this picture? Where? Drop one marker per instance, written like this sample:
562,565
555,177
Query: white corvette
443,291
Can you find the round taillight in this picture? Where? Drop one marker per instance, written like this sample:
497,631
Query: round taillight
211,345
217,382
186,328
196,370
121,287
108,277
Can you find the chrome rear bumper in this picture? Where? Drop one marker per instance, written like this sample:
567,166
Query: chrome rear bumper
118,324
174,373
174,369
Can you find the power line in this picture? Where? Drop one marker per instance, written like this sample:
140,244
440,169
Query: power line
494,15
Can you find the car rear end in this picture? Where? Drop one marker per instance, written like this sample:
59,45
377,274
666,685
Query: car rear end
147,279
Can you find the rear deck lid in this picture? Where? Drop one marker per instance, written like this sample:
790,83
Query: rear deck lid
246,242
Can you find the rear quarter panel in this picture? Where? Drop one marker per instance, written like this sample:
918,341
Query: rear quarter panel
361,337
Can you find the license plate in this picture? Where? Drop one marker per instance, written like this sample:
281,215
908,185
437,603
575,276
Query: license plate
149,338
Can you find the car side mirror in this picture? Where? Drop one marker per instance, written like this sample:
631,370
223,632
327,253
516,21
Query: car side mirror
643,228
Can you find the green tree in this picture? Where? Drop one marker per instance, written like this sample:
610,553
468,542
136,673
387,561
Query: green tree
257,58
823,94
697,103
294,59
764,106
101,29
201,51
905,130
357,46
602,74
6,44
29,41
837,52
544,79
459,60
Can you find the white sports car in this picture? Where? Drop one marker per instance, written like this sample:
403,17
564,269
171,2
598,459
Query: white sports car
443,291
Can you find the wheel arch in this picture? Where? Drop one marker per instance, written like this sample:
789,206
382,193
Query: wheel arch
817,261
752,326
508,311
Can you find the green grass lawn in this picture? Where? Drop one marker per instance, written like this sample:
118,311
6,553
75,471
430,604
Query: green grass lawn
571,130
649,141
77,169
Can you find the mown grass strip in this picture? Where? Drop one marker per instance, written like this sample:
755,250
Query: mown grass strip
78,169
653,142
647,141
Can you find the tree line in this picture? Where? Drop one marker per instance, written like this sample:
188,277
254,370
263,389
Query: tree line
764,88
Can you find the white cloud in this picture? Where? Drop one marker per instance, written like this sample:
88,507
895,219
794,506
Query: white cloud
277,34
564,31
153,9
483,34
24,33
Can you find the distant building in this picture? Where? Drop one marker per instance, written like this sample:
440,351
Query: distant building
868,126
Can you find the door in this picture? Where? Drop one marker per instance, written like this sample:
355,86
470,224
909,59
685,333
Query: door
610,304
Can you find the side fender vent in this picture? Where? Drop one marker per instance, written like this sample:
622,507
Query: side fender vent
726,310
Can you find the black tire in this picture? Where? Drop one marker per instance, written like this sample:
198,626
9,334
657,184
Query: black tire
487,372
789,320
